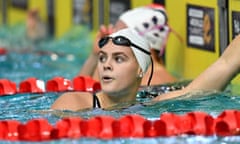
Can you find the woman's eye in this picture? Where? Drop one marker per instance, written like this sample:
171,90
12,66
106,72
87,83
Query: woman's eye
102,58
119,59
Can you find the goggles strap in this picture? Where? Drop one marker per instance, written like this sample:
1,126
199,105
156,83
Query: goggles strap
151,74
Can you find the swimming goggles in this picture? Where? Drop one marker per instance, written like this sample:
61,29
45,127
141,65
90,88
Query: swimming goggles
120,40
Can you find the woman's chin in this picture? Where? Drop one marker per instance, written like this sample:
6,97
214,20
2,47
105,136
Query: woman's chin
110,90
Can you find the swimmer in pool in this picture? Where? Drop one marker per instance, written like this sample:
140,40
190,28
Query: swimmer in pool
151,22
36,30
124,58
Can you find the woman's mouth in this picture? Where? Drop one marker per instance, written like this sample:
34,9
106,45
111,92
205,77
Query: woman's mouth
107,79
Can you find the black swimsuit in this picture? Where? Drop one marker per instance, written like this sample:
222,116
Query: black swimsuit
96,102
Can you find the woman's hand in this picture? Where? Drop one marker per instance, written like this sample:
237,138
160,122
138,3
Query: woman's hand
103,31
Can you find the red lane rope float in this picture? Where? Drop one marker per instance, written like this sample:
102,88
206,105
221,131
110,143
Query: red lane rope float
85,83
97,127
7,87
9,130
129,126
228,123
59,84
3,51
67,128
32,85
56,84
35,130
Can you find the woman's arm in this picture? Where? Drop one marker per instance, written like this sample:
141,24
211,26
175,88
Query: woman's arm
217,76
89,65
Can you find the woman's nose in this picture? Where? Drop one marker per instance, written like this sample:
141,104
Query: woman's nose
107,65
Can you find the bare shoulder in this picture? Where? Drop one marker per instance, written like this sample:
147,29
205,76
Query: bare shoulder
73,101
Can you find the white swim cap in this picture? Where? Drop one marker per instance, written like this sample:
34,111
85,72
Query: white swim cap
143,58
150,22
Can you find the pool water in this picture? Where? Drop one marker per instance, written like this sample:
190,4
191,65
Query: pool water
64,57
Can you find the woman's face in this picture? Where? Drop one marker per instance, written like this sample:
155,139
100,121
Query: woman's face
118,69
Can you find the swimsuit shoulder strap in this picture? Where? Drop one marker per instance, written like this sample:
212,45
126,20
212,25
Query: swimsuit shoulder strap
96,102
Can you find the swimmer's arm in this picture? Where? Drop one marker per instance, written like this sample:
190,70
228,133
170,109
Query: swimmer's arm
90,65
215,77
219,74
72,101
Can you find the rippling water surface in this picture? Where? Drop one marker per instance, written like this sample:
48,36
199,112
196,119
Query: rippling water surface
24,107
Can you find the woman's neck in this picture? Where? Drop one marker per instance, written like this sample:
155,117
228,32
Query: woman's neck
109,100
